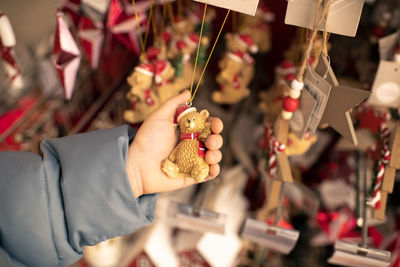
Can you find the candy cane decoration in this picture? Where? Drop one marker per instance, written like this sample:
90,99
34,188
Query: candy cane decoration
275,147
375,202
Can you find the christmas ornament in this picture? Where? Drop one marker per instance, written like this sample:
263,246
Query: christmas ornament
258,28
91,36
122,23
66,56
341,100
7,43
165,84
237,69
187,159
142,96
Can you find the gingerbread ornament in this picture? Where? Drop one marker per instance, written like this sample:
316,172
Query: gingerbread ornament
187,158
142,96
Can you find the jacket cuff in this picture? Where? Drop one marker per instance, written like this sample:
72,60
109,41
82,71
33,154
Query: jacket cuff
98,201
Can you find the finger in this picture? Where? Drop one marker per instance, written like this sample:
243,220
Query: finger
214,171
214,142
216,125
213,156
168,108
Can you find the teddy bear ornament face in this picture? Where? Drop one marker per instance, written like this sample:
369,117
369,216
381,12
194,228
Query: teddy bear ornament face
187,159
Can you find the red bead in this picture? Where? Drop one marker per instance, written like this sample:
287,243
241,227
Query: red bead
290,104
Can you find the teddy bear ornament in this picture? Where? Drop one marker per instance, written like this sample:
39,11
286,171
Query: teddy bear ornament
187,158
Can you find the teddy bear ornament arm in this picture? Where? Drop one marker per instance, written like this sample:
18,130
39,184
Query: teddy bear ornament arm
188,157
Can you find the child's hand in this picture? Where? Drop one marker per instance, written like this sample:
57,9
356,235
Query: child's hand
153,143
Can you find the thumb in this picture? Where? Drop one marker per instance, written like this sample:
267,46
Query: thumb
168,108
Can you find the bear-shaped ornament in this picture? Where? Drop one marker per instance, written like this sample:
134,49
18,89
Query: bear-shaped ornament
187,158
142,96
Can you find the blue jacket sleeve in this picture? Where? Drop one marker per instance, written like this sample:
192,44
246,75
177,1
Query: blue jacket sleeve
77,194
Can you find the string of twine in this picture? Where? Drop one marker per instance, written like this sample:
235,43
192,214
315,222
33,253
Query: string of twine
179,7
198,48
138,27
307,53
170,12
326,34
209,56
148,24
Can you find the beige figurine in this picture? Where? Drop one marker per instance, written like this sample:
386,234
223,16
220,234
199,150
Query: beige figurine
187,159
243,44
142,97
258,27
232,86
165,85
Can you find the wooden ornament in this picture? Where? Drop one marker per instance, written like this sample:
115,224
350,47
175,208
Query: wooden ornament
281,130
187,159
341,100
388,179
273,195
379,214
395,148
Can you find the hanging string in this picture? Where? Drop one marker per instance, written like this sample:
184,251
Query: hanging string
198,48
208,59
179,6
148,23
164,15
326,34
307,53
154,24
234,22
171,12
138,27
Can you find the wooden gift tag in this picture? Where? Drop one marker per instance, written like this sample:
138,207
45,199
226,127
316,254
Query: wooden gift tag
313,101
379,214
341,100
388,179
281,130
395,149
248,7
386,87
343,17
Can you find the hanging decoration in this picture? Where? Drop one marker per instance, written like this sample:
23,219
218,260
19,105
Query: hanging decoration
91,37
7,44
66,56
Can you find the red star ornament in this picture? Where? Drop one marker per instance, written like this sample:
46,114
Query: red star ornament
91,37
66,56
123,25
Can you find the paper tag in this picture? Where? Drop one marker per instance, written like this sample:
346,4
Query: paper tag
248,7
319,89
387,45
302,116
386,87
343,17
313,101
